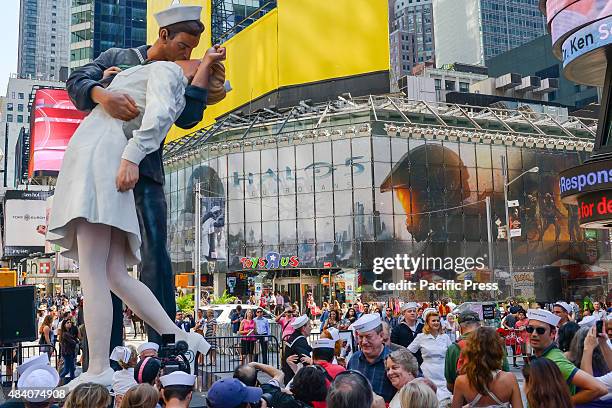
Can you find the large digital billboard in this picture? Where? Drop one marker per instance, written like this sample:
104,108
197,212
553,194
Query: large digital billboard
54,120
565,17
24,222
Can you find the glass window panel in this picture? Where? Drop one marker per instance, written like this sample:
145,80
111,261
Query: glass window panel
269,160
235,234
364,227
362,201
252,161
222,167
381,149
322,152
286,206
303,156
235,163
253,251
381,172
496,153
269,208
325,229
362,175
344,228
252,210
253,186
323,175
304,181
269,232
235,212
286,158
399,147
287,230
253,233
325,253
343,202
269,183
383,227
342,151
529,158
324,204
286,181
361,146
343,179
383,202
306,230
467,151
498,180
483,156
305,205
472,178
235,187
485,180
306,253
181,179
515,161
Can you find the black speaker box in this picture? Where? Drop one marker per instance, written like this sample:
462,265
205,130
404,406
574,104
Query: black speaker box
547,282
17,314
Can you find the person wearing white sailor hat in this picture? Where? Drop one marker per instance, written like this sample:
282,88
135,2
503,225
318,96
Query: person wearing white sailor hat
123,379
297,344
148,349
35,361
370,359
566,327
177,388
323,355
41,377
542,328
406,331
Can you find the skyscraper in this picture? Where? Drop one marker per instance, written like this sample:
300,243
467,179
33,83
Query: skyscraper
44,39
474,31
97,25
411,36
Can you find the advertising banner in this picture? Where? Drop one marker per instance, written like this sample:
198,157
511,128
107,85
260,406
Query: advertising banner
577,15
24,222
213,229
55,120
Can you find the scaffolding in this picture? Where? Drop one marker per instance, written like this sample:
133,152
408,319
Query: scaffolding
386,115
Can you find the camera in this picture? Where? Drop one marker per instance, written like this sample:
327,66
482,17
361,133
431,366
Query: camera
266,397
173,355
599,327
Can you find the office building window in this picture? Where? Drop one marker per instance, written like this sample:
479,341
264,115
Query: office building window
9,118
449,85
438,83
464,87
9,106
21,95
20,107
19,118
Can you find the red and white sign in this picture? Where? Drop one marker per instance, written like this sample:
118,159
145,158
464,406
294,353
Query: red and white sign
327,264
45,268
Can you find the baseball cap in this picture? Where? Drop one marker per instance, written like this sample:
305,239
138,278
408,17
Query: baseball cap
468,316
231,392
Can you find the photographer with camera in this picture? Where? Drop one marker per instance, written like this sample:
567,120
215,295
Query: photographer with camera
307,387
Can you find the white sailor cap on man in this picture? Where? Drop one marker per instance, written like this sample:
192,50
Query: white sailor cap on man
178,13
565,306
42,377
366,323
409,305
543,316
36,361
148,346
323,343
299,321
177,378
335,333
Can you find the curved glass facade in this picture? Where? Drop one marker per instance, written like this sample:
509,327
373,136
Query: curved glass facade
339,199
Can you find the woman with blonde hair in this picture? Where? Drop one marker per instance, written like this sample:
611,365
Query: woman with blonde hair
247,330
433,344
88,395
484,383
417,394
141,396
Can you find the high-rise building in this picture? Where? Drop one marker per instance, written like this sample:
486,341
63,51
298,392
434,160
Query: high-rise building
474,31
44,41
97,25
411,37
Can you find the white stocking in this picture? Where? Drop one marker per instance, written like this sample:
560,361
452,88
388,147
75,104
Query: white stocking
135,294
93,242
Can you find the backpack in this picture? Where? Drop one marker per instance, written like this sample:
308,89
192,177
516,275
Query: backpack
461,343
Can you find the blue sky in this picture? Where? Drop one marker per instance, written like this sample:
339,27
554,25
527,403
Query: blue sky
9,21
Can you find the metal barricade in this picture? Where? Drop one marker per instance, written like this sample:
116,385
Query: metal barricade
228,352
12,356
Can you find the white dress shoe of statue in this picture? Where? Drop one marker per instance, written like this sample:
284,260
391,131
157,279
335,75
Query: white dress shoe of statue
105,378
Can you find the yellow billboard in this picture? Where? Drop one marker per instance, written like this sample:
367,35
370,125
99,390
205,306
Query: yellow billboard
299,42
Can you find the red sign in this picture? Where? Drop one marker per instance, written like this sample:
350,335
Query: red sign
54,121
327,264
45,268
595,209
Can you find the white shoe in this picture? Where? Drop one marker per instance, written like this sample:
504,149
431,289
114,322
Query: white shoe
105,378
196,344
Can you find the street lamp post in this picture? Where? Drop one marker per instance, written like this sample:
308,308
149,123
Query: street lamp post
508,228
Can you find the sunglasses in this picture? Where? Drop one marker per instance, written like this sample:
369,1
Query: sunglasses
539,330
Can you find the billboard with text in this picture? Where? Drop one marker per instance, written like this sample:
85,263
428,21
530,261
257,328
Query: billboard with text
24,222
